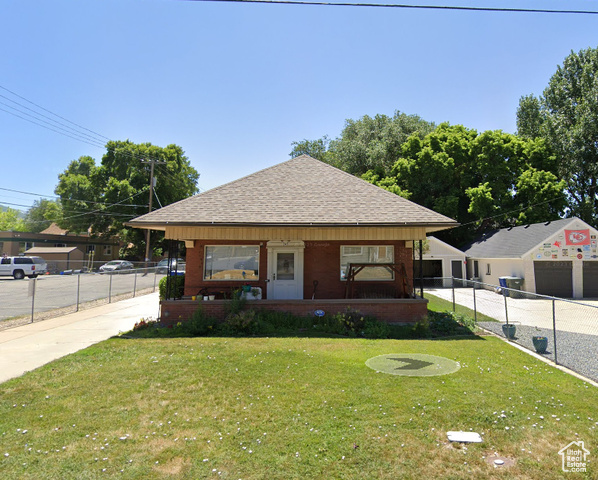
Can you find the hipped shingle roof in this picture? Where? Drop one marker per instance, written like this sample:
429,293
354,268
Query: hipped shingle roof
299,192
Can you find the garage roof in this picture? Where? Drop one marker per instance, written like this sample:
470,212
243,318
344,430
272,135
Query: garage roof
514,242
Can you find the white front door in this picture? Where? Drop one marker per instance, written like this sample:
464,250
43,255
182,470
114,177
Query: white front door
285,272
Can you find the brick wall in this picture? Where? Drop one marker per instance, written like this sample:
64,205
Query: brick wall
386,310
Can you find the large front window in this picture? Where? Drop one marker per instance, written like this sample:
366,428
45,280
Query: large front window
232,262
367,254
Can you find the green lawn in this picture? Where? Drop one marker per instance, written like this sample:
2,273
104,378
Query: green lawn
289,408
438,304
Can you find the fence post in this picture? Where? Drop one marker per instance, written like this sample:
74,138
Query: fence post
453,289
110,289
155,275
78,290
475,310
554,329
32,293
506,310
135,283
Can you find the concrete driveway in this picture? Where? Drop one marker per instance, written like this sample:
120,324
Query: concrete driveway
30,346
578,317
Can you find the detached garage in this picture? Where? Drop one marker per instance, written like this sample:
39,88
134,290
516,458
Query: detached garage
439,261
558,258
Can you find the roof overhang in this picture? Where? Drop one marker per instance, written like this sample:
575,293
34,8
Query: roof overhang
164,226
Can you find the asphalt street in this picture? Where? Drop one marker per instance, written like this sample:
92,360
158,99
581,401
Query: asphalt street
59,291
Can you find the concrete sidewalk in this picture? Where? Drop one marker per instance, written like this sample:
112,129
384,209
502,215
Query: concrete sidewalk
30,346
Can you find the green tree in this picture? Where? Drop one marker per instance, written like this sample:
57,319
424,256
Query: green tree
319,149
104,197
370,143
529,117
10,220
41,215
486,180
568,117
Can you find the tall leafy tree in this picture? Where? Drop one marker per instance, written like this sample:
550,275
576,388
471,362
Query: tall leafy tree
102,197
567,114
41,215
370,143
486,180
10,219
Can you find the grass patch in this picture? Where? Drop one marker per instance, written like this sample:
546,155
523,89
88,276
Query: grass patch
437,304
289,408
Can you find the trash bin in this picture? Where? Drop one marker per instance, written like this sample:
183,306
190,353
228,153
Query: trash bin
502,282
515,283
477,282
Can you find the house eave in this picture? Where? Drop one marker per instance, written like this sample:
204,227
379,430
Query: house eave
165,225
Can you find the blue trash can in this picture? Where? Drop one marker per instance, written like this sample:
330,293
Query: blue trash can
502,281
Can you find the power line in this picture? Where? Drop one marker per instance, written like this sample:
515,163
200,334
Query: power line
49,111
72,133
70,199
48,128
63,126
405,6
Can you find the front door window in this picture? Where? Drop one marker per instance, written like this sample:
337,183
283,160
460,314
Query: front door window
285,266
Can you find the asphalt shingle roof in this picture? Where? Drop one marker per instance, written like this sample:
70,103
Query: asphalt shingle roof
515,241
299,192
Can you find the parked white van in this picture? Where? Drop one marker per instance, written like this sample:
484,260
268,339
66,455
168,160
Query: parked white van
19,267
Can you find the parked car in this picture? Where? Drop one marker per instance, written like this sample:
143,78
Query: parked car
41,266
115,265
176,264
19,267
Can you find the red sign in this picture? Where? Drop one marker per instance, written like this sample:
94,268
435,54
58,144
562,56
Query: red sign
577,237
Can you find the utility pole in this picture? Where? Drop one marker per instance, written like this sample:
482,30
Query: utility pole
152,162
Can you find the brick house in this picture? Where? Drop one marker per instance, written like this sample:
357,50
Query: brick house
304,236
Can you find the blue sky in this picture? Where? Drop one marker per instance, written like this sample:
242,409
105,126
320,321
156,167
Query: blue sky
235,84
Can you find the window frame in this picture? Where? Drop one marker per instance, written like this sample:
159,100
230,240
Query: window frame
205,264
344,267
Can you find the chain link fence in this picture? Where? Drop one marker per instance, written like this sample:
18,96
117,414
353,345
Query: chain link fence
562,330
30,300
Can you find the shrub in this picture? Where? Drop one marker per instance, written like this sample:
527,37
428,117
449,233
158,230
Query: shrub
177,287
443,324
199,324
351,321
145,323
376,329
243,322
235,303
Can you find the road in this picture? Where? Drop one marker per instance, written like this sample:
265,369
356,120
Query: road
59,291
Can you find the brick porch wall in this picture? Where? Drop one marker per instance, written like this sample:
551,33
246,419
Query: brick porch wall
386,310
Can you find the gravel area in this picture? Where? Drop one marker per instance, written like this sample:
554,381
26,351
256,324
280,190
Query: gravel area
576,351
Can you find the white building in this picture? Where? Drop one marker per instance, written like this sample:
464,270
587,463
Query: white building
556,258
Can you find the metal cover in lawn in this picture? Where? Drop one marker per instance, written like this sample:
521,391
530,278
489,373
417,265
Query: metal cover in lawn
413,364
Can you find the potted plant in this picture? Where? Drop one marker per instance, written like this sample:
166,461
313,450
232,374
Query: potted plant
509,330
255,292
246,288
540,343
